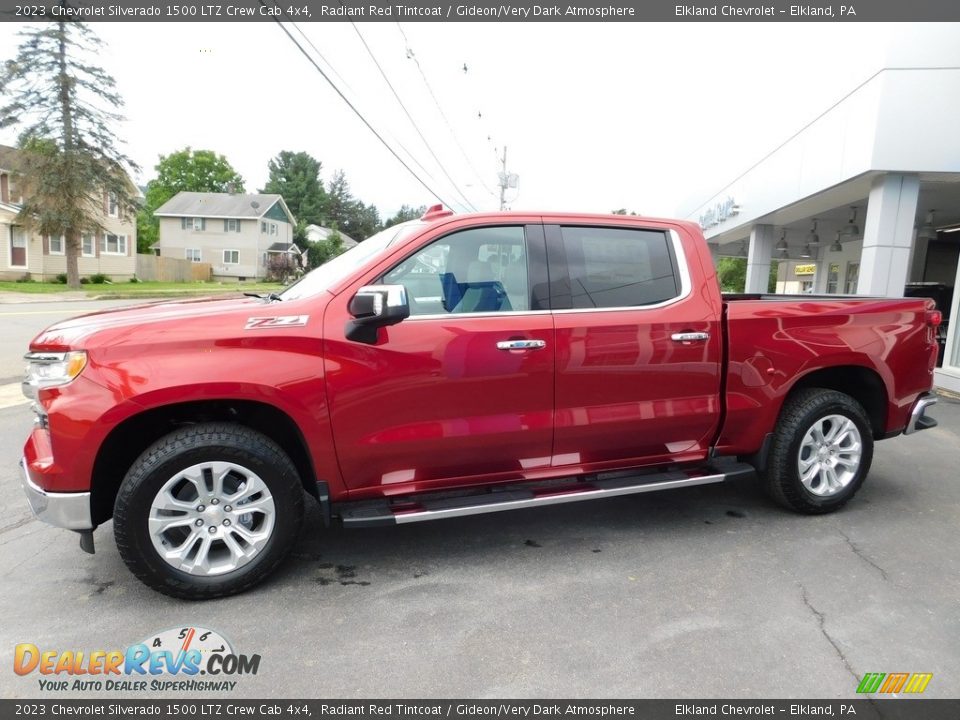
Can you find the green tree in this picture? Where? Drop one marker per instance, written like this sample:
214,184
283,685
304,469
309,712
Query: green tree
70,165
186,170
404,214
296,177
339,200
732,274
344,211
362,222
324,250
774,275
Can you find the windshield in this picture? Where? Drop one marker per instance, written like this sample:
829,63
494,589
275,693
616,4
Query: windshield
320,279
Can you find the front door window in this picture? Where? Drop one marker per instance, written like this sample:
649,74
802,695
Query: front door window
481,270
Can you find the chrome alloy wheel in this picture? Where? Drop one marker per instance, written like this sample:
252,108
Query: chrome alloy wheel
211,518
829,455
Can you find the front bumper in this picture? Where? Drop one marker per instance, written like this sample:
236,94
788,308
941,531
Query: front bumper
66,510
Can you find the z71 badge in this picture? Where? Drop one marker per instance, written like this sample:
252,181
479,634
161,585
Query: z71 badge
256,323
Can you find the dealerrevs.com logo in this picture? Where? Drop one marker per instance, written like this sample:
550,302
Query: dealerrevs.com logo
894,683
169,661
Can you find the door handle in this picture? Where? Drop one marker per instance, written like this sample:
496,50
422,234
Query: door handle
521,345
688,337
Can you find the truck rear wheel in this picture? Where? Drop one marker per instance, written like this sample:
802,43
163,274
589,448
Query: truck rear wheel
821,452
207,511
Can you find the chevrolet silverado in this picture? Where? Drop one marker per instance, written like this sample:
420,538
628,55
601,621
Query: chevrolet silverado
457,365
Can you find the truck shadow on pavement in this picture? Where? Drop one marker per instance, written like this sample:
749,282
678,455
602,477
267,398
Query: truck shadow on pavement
557,535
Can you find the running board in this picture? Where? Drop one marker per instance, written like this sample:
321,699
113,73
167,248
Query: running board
596,487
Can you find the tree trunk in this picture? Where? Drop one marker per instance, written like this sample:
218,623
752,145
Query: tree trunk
72,253
72,235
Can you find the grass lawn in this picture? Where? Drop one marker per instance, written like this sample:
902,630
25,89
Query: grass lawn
145,289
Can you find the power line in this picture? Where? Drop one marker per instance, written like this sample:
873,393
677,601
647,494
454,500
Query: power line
413,158
321,56
410,118
352,107
412,56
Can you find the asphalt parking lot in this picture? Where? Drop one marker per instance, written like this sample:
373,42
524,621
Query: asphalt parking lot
702,592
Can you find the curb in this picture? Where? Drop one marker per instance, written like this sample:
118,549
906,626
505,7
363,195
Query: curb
14,298
168,294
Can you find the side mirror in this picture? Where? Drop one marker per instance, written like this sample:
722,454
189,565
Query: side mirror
374,307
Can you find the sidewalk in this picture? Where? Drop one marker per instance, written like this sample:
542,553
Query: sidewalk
10,298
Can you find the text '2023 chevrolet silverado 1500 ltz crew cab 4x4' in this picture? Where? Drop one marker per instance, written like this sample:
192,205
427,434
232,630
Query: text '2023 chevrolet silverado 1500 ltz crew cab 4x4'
457,365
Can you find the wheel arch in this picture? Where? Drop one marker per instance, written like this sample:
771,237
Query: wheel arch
125,442
861,383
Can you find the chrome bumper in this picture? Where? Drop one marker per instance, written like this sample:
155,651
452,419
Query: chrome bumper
66,510
918,420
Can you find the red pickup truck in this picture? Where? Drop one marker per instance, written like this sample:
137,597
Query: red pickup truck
451,366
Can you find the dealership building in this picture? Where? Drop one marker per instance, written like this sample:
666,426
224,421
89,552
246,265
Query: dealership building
866,198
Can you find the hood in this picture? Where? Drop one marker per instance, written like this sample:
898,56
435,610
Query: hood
206,318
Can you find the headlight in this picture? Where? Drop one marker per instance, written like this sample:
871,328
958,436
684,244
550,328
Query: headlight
45,369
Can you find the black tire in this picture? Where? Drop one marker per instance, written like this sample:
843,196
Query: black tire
174,453
800,413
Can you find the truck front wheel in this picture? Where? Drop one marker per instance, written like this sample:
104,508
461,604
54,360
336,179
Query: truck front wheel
821,452
207,511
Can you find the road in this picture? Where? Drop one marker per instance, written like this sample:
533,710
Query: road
22,321
703,592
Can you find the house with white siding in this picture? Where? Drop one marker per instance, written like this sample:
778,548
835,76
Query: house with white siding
318,233
236,233
111,250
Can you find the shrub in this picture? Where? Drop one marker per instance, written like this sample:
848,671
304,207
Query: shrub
84,281
99,279
134,279
280,266
61,278
25,278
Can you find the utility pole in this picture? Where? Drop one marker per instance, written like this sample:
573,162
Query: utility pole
507,180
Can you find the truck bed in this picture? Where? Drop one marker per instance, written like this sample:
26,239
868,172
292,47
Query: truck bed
849,342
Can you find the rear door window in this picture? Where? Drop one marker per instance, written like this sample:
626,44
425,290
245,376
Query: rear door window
619,267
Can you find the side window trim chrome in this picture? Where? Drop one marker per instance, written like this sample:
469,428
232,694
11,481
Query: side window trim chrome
465,315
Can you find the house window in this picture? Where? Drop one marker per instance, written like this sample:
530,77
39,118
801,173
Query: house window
192,254
263,226
114,245
18,247
853,276
10,193
193,223
56,245
268,228
87,245
273,228
113,209
231,257
231,225
833,278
